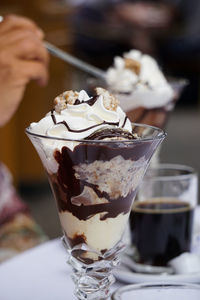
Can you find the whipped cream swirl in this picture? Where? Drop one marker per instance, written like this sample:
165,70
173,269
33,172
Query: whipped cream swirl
78,121
140,79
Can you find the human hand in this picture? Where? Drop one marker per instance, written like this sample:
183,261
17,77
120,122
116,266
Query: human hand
22,58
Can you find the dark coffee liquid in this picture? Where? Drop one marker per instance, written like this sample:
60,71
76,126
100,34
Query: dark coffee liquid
161,229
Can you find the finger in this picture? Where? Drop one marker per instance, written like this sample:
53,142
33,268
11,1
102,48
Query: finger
16,35
31,71
28,48
12,21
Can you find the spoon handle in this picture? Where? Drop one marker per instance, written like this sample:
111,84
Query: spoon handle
74,61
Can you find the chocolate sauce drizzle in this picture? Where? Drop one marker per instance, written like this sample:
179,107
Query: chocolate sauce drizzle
88,128
90,101
124,123
53,117
66,186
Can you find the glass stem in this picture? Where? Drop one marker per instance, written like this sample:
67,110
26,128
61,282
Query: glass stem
92,282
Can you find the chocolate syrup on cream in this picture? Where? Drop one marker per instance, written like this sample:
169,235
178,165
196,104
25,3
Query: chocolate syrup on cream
88,128
90,102
66,186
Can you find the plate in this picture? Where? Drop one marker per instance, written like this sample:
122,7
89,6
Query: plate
124,275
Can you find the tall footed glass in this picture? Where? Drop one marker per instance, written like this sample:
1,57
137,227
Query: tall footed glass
94,183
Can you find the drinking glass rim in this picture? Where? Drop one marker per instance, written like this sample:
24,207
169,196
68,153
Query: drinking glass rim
148,285
170,166
161,135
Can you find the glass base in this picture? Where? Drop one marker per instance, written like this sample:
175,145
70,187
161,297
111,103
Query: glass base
93,279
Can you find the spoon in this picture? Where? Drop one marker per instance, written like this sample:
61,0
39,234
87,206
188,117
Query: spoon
74,61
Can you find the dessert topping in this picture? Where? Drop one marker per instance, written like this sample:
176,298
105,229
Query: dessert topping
110,102
133,65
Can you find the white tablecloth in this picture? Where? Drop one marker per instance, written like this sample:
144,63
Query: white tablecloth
42,273
38,274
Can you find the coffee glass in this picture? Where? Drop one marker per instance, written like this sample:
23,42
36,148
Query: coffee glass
161,219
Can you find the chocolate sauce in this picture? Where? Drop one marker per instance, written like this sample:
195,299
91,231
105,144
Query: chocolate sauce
53,116
78,239
66,186
88,128
90,101
79,253
124,123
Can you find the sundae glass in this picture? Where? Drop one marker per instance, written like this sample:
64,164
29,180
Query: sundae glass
94,169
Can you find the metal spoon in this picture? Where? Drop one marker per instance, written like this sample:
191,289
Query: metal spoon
74,61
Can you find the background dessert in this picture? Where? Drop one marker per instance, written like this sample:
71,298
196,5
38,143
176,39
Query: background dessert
144,92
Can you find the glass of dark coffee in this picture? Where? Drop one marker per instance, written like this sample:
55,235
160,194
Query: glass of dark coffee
161,219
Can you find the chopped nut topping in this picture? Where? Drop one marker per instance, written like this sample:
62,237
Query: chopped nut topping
136,135
61,101
109,100
133,65
69,97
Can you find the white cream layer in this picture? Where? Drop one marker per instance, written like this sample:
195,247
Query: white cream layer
100,234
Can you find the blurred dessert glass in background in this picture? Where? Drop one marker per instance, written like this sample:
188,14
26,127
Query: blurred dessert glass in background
145,94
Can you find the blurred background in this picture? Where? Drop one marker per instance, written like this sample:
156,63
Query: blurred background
96,31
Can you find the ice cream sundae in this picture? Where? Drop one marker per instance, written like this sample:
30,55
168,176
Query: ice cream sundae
145,94
95,160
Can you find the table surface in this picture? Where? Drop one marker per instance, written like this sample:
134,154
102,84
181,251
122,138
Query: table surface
42,273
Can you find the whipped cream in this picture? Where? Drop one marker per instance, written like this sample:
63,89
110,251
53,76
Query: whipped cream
77,122
139,81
